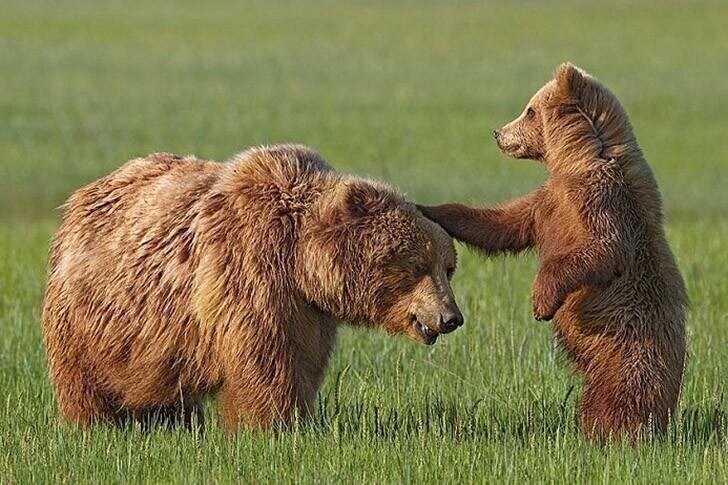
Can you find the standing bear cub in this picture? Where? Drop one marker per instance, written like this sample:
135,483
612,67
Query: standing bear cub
175,278
607,276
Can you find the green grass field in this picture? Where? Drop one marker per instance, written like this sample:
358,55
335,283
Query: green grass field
405,92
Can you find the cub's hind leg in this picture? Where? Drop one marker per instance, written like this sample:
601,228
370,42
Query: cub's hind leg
631,392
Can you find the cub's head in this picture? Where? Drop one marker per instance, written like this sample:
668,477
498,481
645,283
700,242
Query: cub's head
374,259
571,112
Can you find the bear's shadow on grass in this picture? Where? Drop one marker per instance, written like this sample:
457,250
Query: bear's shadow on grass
488,420
440,419
437,417
165,418
434,417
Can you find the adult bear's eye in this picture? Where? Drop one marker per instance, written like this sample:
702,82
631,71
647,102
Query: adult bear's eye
530,113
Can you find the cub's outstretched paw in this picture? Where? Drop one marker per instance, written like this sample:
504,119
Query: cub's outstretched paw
446,215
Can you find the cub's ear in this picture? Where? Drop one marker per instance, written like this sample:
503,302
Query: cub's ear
569,79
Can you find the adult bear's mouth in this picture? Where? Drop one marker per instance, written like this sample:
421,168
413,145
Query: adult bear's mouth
428,335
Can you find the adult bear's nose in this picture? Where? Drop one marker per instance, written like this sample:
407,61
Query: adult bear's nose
496,134
451,320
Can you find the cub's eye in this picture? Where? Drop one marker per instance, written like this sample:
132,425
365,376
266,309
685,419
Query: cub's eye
530,113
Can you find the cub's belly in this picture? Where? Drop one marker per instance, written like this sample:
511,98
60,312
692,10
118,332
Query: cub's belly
592,321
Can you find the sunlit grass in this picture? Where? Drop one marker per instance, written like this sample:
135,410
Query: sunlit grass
493,400
407,93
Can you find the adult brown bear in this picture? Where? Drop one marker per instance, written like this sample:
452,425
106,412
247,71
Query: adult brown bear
607,275
175,278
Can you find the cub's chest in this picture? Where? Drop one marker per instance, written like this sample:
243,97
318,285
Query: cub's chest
559,224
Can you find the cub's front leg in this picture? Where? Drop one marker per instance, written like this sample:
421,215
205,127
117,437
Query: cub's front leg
509,228
595,261
549,290
595,264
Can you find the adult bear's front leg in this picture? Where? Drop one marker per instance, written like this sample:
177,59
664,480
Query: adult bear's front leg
263,376
257,398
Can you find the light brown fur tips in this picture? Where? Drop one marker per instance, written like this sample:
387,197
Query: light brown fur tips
607,275
175,278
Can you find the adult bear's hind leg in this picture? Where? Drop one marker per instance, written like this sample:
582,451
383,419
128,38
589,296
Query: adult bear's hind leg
80,400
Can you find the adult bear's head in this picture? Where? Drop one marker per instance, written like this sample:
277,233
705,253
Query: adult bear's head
370,257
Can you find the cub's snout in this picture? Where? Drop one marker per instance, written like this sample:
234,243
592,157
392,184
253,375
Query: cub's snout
523,137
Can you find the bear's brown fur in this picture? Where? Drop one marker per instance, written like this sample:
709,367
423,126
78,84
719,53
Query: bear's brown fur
174,278
607,275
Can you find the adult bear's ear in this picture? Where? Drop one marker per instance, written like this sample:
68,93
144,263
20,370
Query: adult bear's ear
569,80
362,198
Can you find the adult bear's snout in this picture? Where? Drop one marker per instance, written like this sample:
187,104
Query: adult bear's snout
450,321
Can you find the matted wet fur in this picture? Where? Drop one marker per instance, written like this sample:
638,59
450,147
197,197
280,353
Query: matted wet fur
607,276
175,278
